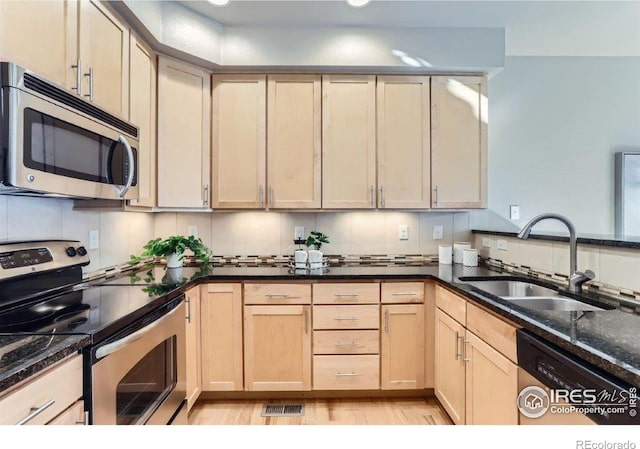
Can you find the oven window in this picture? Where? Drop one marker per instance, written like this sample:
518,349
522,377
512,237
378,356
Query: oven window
147,384
54,146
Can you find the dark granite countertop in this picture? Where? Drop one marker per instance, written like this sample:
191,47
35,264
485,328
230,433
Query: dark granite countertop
587,239
607,339
24,356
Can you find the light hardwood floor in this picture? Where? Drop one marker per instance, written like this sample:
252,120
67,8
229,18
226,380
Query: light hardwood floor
324,412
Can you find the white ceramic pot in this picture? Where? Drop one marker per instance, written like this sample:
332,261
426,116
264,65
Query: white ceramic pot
174,261
315,259
174,275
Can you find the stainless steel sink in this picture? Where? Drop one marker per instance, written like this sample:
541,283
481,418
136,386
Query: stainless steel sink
529,295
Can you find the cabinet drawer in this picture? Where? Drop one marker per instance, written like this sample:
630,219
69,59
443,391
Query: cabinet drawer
346,317
499,334
346,342
277,293
402,292
346,372
455,306
346,293
73,416
60,387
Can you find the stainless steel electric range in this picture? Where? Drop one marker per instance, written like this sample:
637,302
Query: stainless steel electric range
134,366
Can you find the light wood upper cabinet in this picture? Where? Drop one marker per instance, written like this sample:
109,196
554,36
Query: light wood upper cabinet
277,348
404,142
449,382
349,142
193,346
293,141
402,352
41,36
222,337
491,384
238,141
459,141
103,42
142,113
184,108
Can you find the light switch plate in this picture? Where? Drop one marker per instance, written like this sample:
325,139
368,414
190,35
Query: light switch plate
514,212
298,232
486,242
94,239
403,232
502,244
438,233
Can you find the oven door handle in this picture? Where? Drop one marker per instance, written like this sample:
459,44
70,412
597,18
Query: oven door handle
110,348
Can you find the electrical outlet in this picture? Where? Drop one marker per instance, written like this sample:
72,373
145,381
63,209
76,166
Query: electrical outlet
403,232
487,242
298,232
438,233
94,239
502,244
514,212
193,230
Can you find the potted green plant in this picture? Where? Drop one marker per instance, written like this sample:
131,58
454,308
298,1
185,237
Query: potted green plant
173,248
315,240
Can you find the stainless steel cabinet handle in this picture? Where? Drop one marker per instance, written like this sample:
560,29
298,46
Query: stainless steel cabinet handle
373,200
464,349
435,199
78,68
347,374
261,196
188,301
132,166
458,353
276,295
345,318
306,321
348,295
386,321
35,411
90,75
271,196
351,344
382,196
206,195
404,294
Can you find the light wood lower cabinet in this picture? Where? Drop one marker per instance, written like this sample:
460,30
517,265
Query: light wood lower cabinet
221,320
277,348
449,379
193,351
340,372
402,349
73,416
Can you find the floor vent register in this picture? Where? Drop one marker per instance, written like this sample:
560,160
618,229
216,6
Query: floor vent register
282,410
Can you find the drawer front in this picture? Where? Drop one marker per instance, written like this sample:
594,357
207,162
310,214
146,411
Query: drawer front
346,342
497,333
402,293
347,293
277,294
73,416
346,317
60,387
452,304
346,372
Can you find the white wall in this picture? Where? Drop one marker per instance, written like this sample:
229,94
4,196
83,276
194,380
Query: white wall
554,125
350,233
121,233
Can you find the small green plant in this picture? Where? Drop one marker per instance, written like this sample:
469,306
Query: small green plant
316,239
177,244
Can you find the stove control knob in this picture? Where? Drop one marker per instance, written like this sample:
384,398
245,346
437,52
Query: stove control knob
71,251
81,251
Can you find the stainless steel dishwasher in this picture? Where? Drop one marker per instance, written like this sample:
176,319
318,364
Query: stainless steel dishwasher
558,388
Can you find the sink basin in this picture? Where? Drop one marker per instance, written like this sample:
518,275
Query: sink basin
529,294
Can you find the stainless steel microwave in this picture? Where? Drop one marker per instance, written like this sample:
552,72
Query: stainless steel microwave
55,142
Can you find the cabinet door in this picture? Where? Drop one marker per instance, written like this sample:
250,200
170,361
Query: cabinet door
222,337
293,140
491,384
103,42
183,135
459,142
238,141
402,347
142,113
348,142
277,348
41,36
194,376
449,382
404,142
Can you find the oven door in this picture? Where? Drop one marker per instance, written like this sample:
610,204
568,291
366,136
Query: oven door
55,149
140,377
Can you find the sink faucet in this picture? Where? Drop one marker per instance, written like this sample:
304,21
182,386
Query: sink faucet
576,278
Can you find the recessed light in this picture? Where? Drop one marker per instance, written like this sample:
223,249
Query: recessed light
357,3
219,2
